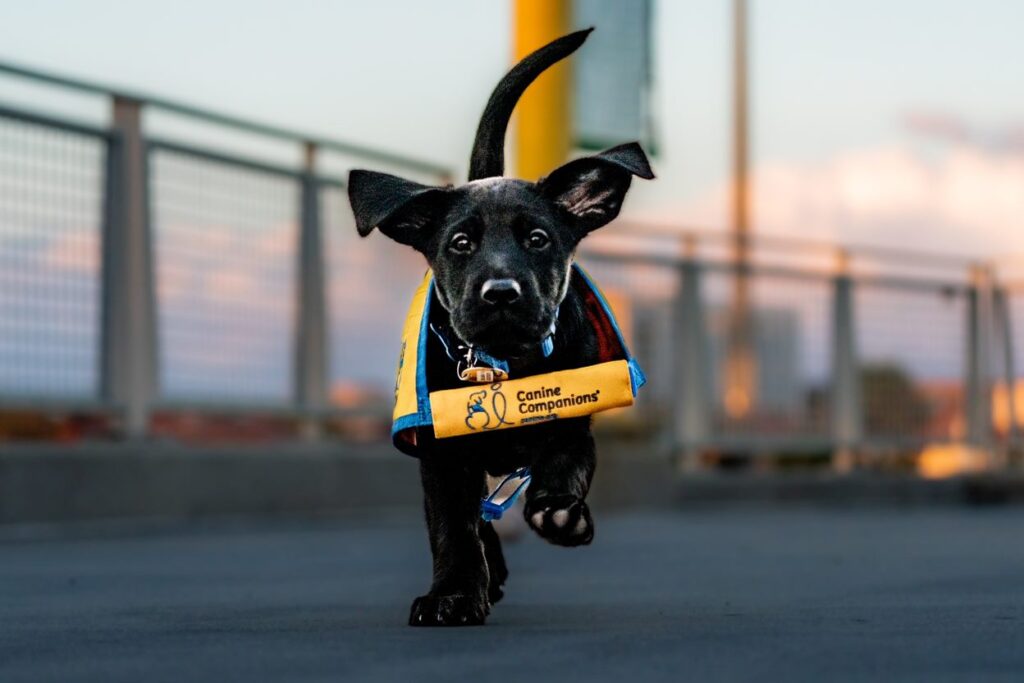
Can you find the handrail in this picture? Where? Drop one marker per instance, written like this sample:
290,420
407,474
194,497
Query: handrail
55,122
644,229
954,287
228,120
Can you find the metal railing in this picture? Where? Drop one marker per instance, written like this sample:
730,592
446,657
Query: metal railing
859,349
144,273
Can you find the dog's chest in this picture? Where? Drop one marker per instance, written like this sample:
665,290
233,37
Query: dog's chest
502,452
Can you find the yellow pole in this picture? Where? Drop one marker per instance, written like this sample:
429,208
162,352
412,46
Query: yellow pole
543,114
741,361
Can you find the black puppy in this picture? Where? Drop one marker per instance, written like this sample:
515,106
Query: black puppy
501,251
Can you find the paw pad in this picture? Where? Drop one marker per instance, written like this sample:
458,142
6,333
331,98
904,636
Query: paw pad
561,519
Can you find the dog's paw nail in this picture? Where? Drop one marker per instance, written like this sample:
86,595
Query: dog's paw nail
561,517
538,519
448,610
581,526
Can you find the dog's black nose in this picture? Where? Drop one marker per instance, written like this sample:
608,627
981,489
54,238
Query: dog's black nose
500,292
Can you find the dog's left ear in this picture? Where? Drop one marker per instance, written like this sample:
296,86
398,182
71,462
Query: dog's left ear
591,189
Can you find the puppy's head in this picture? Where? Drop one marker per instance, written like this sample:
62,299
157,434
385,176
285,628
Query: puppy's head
501,248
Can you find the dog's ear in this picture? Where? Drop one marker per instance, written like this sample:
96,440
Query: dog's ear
402,209
591,189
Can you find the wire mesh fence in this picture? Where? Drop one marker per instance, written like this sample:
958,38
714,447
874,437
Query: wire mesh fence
775,378
51,218
911,344
225,247
370,284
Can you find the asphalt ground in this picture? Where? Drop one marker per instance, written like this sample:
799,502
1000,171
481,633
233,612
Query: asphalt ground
761,594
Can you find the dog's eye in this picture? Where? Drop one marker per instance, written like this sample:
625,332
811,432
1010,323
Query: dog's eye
461,244
538,239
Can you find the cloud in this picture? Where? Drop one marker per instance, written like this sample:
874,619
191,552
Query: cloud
945,127
963,199
938,125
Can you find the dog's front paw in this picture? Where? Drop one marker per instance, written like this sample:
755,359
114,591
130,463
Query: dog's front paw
561,519
447,610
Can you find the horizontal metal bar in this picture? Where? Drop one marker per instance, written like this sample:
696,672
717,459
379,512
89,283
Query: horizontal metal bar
227,120
50,78
240,161
52,122
674,261
911,283
331,182
904,443
628,227
206,154
769,270
56,404
263,409
638,259
756,444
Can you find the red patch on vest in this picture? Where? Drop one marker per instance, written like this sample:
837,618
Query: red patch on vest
608,346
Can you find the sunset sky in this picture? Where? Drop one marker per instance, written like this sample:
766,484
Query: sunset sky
886,122
923,93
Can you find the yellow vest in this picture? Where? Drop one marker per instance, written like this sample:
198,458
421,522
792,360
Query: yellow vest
516,402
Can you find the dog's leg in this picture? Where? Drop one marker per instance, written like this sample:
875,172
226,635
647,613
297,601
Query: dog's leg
497,569
562,473
458,595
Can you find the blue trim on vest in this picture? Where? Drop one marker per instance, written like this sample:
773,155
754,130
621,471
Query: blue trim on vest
637,378
422,393
422,417
406,422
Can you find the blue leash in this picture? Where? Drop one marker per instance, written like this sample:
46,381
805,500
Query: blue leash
490,510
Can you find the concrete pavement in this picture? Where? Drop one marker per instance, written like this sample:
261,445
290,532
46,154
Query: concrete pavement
702,595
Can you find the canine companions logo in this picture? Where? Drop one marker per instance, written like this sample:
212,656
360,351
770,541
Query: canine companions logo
481,414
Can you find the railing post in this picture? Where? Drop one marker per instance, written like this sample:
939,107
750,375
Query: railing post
1002,315
311,346
978,385
847,410
690,416
128,336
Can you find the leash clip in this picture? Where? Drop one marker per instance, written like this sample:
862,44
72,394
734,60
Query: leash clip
490,509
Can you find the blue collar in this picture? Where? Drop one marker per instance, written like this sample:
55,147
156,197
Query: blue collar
456,350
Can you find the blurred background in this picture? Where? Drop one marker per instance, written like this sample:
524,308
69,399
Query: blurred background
823,281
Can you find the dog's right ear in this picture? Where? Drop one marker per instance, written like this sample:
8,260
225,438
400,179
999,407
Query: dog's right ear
402,209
